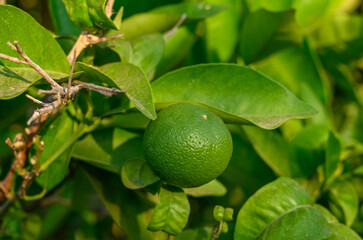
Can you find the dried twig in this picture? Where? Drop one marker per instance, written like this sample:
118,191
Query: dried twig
108,8
85,39
22,144
29,62
70,77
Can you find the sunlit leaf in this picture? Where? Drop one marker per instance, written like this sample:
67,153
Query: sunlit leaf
247,97
34,39
294,225
267,205
128,78
213,188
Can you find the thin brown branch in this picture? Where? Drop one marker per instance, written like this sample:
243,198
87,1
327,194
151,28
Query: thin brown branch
108,8
172,31
96,88
13,59
84,40
35,66
35,100
70,77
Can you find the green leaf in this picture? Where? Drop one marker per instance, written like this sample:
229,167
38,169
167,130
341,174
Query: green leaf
193,10
109,148
246,169
220,47
165,17
273,149
301,223
337,30
342,232
327,214
35,41
15,80
147,51
89,15
128,78
136,174
183,38
55,136
171,212
146,23
213,188
127,210
332,156
264,33
344,195
267,205
249,96
272,6
62,23
295,69
122,48
200,233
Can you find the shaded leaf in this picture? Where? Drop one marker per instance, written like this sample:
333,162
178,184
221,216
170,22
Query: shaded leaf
267,205
171,212
344,195
273,149
89,15
55,136
35,41
245,169
273,6
125,208
301,223
62,23
332,156
264,33
128,78
136,174
249,96
213,188
201,233
109,148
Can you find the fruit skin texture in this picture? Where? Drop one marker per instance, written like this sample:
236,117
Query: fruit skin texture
187,145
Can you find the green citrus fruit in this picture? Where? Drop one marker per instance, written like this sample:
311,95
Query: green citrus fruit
187,145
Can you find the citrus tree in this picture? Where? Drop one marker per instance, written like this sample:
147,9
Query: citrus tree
155,120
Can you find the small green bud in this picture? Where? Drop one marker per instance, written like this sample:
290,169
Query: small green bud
225,227
228,214
218,213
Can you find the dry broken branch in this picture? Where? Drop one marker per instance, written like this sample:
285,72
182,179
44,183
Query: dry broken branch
22,143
